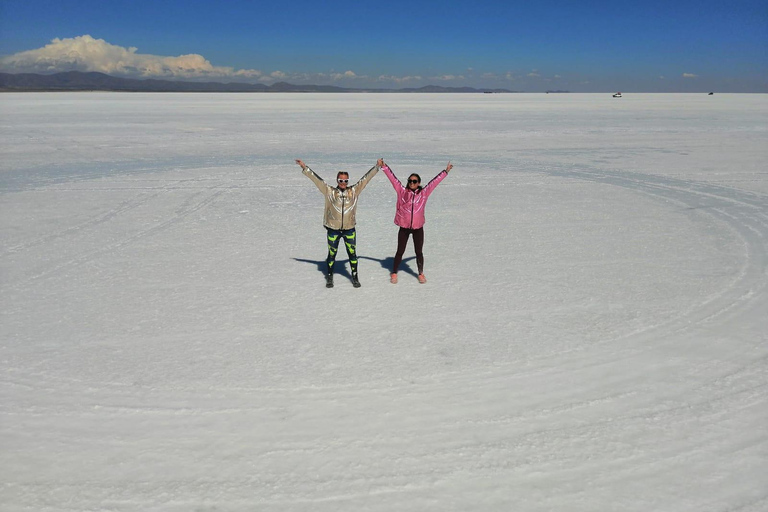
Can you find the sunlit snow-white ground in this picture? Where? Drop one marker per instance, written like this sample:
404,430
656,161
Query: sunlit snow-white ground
593,336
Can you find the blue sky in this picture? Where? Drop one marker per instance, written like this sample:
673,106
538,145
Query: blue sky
671,45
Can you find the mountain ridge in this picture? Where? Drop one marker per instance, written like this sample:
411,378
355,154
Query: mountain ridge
94,81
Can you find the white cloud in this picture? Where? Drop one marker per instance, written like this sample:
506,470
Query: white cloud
447,78
690,75
533,74
85,53
345,75
399,79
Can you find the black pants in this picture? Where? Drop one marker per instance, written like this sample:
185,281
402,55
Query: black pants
418,244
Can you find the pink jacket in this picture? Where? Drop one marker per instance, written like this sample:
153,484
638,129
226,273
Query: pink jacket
410,205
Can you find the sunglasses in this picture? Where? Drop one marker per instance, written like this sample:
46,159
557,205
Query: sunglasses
413,181
343,181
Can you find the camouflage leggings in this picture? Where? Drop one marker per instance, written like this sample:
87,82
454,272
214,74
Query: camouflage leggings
334,237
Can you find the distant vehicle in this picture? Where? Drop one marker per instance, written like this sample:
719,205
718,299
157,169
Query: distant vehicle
711,94
617,95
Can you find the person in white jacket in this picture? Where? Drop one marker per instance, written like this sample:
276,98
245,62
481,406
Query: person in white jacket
340,215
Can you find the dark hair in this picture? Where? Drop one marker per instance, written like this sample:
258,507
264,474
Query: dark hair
342,172
418,189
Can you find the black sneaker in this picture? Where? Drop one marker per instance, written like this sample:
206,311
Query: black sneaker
355,281
329,281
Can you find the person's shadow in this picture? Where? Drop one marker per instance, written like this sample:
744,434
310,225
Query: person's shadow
341,267
386,263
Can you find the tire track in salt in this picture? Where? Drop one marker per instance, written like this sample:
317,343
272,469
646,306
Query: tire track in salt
746,214
190,206
121,208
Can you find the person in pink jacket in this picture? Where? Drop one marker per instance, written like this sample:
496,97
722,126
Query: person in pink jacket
409,215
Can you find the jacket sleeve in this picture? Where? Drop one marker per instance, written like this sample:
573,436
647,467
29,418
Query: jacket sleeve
435,182
360,185
392,178
317,180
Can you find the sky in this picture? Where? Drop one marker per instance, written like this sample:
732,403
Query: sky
585,46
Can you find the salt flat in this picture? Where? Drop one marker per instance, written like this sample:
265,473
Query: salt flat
592,336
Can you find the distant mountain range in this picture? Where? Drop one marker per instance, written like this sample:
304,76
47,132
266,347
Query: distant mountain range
79,81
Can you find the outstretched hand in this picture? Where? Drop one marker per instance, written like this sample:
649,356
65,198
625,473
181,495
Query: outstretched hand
302,164
448,167
380,162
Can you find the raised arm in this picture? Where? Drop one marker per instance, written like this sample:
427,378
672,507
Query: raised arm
360,185
437,179
391,176
317,180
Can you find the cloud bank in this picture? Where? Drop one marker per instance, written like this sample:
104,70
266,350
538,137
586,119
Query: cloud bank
85,53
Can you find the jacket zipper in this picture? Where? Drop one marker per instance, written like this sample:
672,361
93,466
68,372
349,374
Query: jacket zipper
413,200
